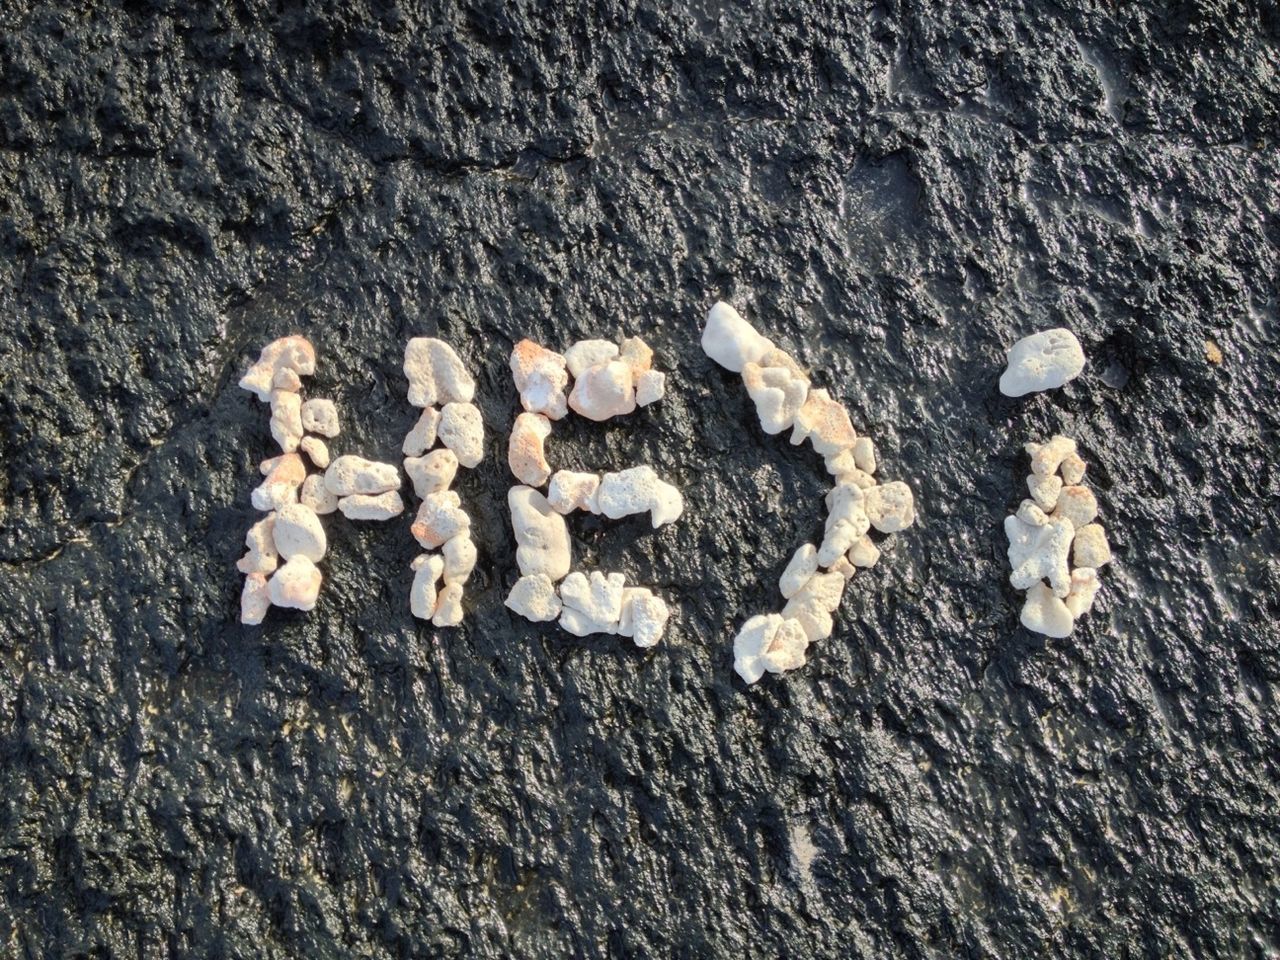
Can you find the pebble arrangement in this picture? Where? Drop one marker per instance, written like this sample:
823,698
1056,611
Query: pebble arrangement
813,582
608,381
1053,537
442,387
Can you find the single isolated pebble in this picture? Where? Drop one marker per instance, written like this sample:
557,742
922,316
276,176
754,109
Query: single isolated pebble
730,340
262,556
825,423
462,431
571,490
448,606
534,598
639,490
286,419
284,475
779,394
1042,361
350,474
651,386
295,584
803,565
436,374
440,518
603,391
427,570
371,506
525,453
591,604
317,496
431,473
890,507
255,598
588,353
459,557
314,448
541,378
298,532
542,537
422,436
1045,613
1090,547
320,416
644,616
288,353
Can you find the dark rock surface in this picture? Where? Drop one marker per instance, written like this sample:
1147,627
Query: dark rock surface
893,193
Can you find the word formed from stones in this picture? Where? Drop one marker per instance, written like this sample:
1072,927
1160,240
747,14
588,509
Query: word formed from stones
608,381
1056,547
442,387
814,580
1042,361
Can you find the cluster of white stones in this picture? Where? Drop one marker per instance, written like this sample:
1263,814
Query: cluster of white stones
1053,536
814,580
608,381
441,385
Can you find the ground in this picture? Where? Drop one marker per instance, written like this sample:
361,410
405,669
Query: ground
893,192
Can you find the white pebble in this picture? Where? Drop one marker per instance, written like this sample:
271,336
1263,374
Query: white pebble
779,395
320,416
541,378
542,537
1084,587
571,490
768,642
255,598
371,506
1078,505
288,353
864,455
864,553
651,386
350,474
525,454
802,566
427,569
262,556
591,604
1044,490
644,616
315,448
1044,613
448,606
459,557
422,436
639,490
295,584
589,353
603,391
462,431
431,473
286,419
435,373
1042,361
1047,457
825,423
298,532
890,507
317,496
284,475
730,340
440,518
1090,547
534,598
1039,553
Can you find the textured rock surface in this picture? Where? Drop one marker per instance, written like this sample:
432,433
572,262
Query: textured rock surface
893,198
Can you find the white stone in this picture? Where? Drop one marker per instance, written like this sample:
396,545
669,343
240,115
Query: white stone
750,644
779,394
1042,361
593,603
262,556
1090,547
525,453
534,598
427,569
1078,505
637,355
462,431
1039,553
431,473
825,423
440,518
295,584
422,435
603,391
730,340
1072,468
320,416
286,419
639,490
542,537
350,474
541,378
1044,613
255,598
317,496
298,532
786,650
371,506
651,386
436,374
644,616
847,522
588,353
814,619
802,566
864,553
1044,490
864,455
1084,587
315,448
448,606
890,507
1046,457
459,557
844,467
288,353
284,475
571,490
286,379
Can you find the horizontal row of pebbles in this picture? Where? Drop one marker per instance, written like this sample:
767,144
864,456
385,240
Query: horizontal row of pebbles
814,580
608,381
442,387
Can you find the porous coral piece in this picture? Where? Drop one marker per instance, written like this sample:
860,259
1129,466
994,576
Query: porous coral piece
1084,587
436,374
847,522
1040,553
768,642
730,340
534,598
448,606
637,355
255,598
295,584
644,616
350,474
293,353
651,386
1042,361
317,496
603,391
825,423
1044,490
864,553
844,468
440,518
462,431
525,454
802,566
571,490
371,506
459,557
1046,457
786,648
589,353
864,455
890,506
814,604
315,448
320,416
542,537
284,475
541,378
591,604
427,569
1090,547
639,490
431,473
298,532
262,556
1072,469
1078,505
286,419
779,395
1045,613
422,435
286,379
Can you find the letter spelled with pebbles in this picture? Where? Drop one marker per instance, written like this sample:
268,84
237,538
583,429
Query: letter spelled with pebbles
814,579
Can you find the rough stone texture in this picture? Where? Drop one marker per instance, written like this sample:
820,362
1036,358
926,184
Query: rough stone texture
893,197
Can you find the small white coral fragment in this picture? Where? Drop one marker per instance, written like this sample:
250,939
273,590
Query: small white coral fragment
1047,457
255,598
603,391
890,507
542,537
1078,505
462,431
1042,361
1045,613
588,353
864,553
802,566
571,490
1040,553
1044,490
768,642
1084,587
432,472
847,522
541,378
436,374
448,606
525,454
286,419
320,416
298,532
592,604
639,490
651,386
350,474
459,557
644,616
427,570
371,506
534,598
317,496
262,556
778,392
730,340
315,448
294,354
440,519
295,584
422,435
825,423
1090,547
284,475
864,455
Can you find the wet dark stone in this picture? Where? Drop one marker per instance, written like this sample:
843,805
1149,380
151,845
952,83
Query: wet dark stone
895,192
